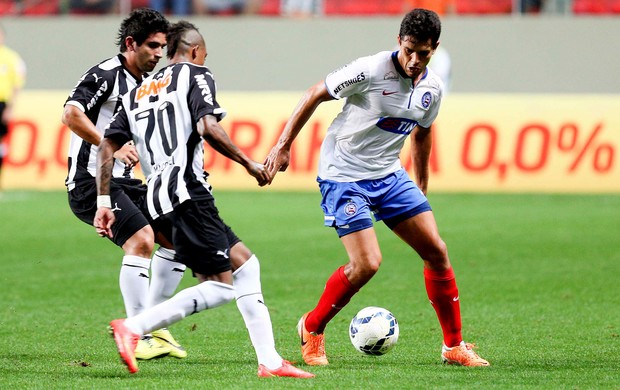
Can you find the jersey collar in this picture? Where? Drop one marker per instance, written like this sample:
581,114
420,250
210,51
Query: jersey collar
123,60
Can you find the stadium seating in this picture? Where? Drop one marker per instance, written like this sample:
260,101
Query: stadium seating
360,8
481,7
398,7
7,7
270,8
596,7
346,7
30,7
589,6
442,7
140,4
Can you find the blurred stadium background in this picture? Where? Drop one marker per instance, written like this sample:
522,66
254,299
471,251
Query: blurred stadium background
531,107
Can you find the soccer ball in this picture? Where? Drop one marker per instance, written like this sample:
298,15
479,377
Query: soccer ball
373,331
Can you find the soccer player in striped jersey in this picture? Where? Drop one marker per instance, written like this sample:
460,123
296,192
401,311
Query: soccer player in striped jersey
168,117
388,96
88,109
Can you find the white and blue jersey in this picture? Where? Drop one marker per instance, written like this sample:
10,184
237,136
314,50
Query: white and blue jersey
381,109
360,173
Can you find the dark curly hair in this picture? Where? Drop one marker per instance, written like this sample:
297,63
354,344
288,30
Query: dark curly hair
422,25
140,24
175,35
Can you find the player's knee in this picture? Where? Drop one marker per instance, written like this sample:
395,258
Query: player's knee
227,294
239,255
373,264
246,278
366,266
140,243
437,254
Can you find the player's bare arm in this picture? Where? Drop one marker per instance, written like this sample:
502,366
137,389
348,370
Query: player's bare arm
77,121
212,132
104,217
279,156
421,142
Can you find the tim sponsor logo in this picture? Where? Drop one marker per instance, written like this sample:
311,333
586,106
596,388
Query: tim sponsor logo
401,126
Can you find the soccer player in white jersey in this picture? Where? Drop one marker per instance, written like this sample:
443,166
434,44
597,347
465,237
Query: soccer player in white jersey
388,97
88,109
168,117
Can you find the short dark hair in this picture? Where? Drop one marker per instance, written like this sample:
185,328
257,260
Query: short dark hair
140,24
421,24
175,35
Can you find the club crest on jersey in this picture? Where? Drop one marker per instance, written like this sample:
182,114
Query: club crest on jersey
426,100
350,208
152,87
402,126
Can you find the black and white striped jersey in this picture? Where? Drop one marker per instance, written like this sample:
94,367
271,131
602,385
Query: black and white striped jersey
160,116
97,94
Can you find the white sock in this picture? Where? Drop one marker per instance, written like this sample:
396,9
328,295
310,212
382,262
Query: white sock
255,314
206,295
134,283
166,274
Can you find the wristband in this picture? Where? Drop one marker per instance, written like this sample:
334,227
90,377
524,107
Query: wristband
104,201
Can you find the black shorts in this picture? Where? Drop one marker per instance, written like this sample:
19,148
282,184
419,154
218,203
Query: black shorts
201,239
127,197
4,127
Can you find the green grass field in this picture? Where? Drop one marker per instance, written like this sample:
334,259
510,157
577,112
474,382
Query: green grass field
538,279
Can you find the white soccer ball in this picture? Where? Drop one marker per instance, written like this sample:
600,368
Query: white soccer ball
374,331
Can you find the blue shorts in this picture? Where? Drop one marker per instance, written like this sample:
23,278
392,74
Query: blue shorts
348,206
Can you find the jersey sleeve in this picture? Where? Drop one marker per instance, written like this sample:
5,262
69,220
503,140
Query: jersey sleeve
351,79
202,94
119,129
93,87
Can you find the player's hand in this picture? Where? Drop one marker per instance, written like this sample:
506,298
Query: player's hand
277,160
259,172
104,219
127,154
